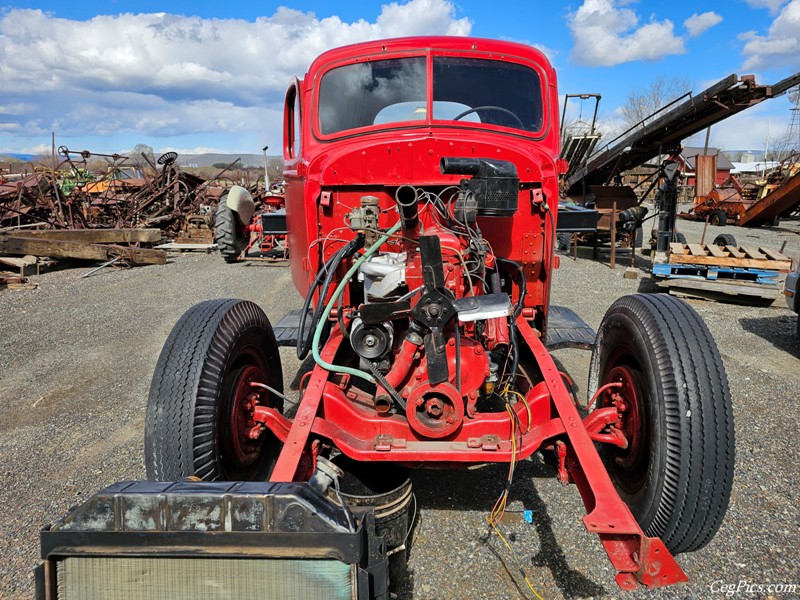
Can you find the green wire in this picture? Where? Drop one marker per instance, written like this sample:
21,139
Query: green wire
326,313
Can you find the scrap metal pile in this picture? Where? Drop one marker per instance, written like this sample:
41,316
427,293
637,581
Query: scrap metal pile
69,197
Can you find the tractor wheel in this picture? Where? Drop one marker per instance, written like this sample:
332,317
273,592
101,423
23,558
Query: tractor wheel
199,412
725,239
677,471
229,233
718,218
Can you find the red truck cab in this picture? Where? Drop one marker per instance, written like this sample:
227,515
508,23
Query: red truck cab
372,117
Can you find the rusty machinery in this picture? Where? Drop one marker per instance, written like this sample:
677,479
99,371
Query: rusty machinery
421,195
67,196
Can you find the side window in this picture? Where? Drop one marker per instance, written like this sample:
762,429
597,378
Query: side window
292,122
296,143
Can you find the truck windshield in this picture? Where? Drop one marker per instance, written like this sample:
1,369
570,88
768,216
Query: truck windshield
354,95
464,89
499,93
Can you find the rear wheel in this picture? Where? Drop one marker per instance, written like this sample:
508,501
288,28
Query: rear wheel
677,471
725,239
229,233
200,409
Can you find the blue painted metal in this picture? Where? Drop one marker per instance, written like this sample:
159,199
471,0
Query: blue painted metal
716,273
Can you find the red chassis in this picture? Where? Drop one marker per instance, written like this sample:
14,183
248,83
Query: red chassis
549,410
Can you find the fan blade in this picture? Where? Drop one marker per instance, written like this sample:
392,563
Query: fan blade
430,250
436,356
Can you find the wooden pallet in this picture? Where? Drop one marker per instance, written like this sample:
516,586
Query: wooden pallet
724,291
747,257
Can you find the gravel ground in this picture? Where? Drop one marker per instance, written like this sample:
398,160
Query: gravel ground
76,356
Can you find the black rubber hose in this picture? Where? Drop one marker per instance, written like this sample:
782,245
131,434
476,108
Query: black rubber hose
512,328
522,283
327,272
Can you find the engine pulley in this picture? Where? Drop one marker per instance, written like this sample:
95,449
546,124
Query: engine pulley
371,341
435,411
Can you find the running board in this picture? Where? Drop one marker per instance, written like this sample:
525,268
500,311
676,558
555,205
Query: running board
565,329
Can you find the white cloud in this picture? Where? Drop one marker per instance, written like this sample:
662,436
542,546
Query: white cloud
780,47
605,34
165,75
772,5
697,24
752,129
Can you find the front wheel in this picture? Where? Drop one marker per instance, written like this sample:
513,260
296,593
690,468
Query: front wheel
677,471
199,412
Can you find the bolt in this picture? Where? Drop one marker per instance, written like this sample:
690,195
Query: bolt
370,341
434,310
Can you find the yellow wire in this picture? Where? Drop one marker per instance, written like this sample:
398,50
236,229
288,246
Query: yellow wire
511,550
499,508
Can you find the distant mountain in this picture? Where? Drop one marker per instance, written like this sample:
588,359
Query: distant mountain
25,157
207,160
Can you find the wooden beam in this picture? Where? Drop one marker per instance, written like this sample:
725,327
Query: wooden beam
676,248
735,252
98,236
696,249
774,254
746,263
752,252
67,249
715,250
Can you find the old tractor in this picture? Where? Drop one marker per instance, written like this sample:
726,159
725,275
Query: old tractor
421,202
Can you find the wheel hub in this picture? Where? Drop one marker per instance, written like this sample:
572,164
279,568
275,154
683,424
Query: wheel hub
245,433
627,402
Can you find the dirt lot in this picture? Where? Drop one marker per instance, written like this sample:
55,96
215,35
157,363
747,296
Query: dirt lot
76,357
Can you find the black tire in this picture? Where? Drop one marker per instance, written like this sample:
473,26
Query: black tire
197,396
563,242
229,233
718,218
678,237
676,475
725,239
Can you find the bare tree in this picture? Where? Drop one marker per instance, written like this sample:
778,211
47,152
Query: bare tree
142,156
643,102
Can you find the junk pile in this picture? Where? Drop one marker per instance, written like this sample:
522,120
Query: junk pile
70,197
66,212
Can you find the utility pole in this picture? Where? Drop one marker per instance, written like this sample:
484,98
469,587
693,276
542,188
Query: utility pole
266,170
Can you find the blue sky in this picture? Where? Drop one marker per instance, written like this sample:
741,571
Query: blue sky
196,76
